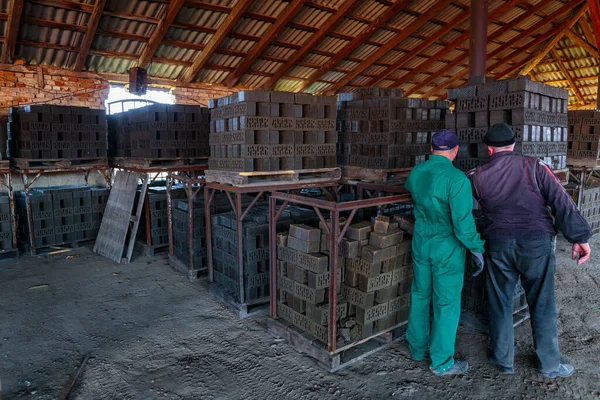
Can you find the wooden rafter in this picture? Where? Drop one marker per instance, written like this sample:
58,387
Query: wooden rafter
159,32
53,24
67,5
390,44
352,45
313,41
12,30
92,25
594,6
455,43
500,50
565,72
587,30
274,30
225,27
582,43
131,17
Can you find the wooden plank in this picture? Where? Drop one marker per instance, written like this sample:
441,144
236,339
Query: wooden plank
582,43
115,225
257,179
136,220
53,24
131,17
225,27
12,31
565,72
586,28
360,39
66,5
92,25
274,30
594,8
389,45
159,32
314,39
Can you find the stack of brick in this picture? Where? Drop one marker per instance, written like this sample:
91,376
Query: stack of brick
160,131
536,112
6,234
271,131
62,215
584,138
590,207
378,128
181,242
158,218
57,132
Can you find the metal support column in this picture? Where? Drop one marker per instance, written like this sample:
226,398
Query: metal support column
478,39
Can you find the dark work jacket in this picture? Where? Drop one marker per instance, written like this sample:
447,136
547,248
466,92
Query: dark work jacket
522,198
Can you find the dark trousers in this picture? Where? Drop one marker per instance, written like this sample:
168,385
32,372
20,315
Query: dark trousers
532,261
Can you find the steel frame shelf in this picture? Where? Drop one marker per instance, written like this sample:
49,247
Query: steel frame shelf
6,181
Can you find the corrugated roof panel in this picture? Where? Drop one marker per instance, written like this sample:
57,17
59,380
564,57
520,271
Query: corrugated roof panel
253,80
493,28
332,76
45,56
251,27
391,57
140,7
507,36
184,35
123,25
279,52
318,87
350,27
176,53
266,66
382,36
427,29
316,59
166,71
401,20
311,17
448,13
590,72
211,76
118,45
410,43
330,3
200,17
109,65
529,22
511,15
370,9
294,36
414,62
450,36
349,65
374,70
363,51
225,60
237,44
288,85
300,72
331,44
432,50
270,8
360,80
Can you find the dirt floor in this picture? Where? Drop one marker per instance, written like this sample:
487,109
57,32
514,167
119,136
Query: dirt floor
155,335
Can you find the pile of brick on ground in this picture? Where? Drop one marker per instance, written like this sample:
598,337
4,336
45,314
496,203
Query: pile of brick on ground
374,278
56,132
584,137
62,215
536,112
378,128
272,131
6,234
159,131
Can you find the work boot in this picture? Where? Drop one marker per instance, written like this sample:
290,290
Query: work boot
460,367
503,369
563,371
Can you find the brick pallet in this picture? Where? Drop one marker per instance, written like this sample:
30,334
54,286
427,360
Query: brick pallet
46,132
6,230
584,138
590,207
159,131
181,241
379,129
65,215
536,112
253,131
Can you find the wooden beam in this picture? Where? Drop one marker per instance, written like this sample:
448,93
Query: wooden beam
594,6
558,35
12,31
66,5
74,49
92,25
159,32
587,30
131,17
582,43
452,46
313,41
565,72
388,14
563,10
390,44
274,30
53,24
225,27
122,35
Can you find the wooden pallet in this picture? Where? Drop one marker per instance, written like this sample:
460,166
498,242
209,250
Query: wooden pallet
150,251
250,179
583,162
50,164
4,165
184,268
352,174
9,255
242,310
149,163
344,356
479,322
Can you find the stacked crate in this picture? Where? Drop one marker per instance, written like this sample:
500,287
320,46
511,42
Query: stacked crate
6,233
590,207
57,132
374,278
378,128
536,112
160,131
271,131
584,138
62,215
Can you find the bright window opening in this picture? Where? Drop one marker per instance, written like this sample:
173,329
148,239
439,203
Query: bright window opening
120,100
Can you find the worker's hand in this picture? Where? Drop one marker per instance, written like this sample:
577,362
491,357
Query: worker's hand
477,263
581,252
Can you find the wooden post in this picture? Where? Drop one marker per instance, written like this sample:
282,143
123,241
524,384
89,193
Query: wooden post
478,39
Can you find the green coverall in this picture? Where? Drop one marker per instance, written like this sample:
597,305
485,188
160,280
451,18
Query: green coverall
444,228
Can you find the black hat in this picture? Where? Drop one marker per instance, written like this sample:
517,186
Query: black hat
499,135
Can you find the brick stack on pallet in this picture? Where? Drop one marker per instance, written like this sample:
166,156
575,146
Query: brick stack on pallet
181,242
160,131
375,274
272,131
6,233
584,138
48,132
536,112
378,128
156,216
590,207
62,215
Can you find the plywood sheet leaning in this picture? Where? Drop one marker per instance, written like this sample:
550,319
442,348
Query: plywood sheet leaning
121,218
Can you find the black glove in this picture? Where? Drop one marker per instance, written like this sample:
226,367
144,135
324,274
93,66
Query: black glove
477,263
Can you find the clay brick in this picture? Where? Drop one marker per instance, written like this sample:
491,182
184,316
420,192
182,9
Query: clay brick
304,246
366,315
371,284
382,240
316,263
304,232
359,231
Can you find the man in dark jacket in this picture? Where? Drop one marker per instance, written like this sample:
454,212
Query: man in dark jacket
525,204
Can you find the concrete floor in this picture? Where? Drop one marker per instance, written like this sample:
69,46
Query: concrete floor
155,335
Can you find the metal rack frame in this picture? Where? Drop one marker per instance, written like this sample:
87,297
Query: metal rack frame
6,181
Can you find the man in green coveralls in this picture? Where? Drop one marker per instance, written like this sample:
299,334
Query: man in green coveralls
444,230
